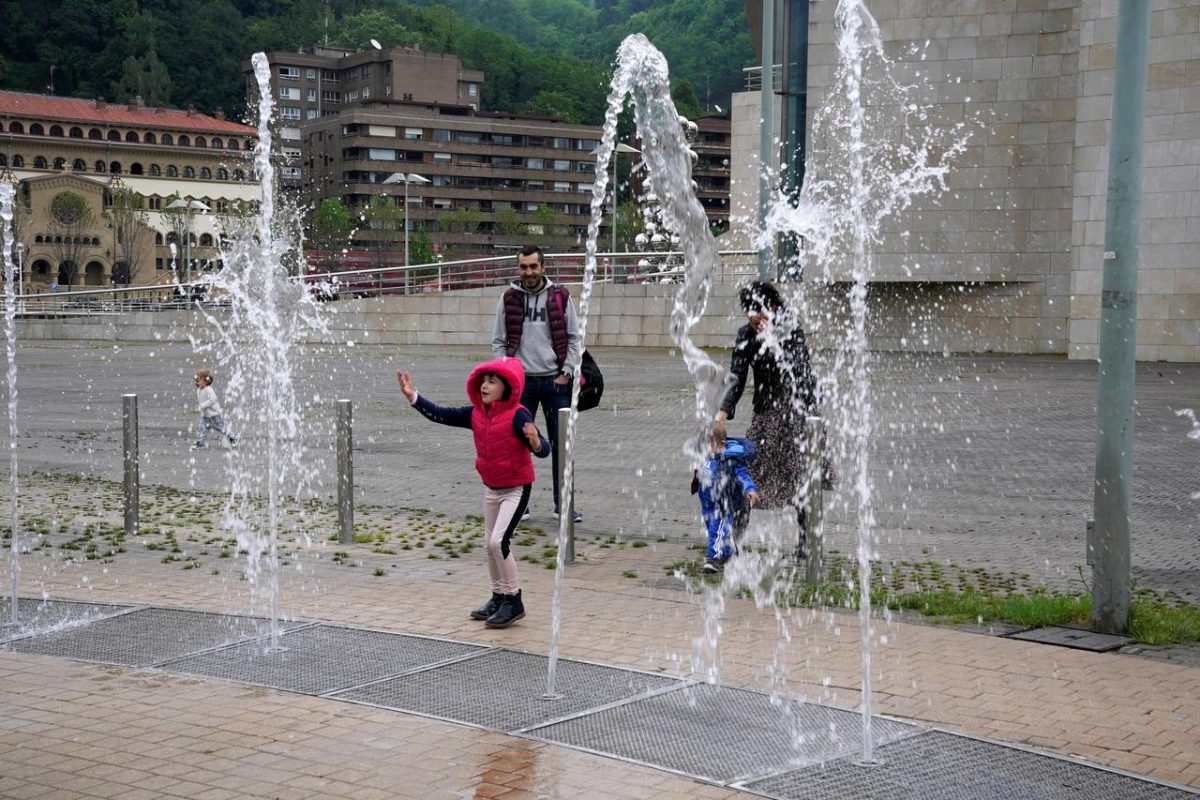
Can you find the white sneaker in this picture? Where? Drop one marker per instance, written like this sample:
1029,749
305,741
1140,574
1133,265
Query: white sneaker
526,515
198,446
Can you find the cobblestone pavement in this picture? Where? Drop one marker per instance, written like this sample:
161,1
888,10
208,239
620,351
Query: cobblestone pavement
998,469
981,461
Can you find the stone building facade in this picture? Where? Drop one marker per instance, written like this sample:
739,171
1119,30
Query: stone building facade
1010,259
69,158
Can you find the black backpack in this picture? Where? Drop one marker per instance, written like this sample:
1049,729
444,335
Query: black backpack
591,383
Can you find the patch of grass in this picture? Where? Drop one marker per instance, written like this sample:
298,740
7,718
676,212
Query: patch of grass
1153,622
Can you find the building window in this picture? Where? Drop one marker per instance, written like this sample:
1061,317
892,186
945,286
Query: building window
469,137
217,144
206,173
200,142
79,166
36,130
290,133
150,138
441,135
562,186
18,161
135,168
472,89
330,97
290,73
311,95
310,73
352,96
189,172
100,166
366,93
155,170
503,138
310,113
366,70
587,144
535,163
167,139
131,136
113,136
413,133
222,174
184,141
561,165
289,112
442,158
289,93
76,133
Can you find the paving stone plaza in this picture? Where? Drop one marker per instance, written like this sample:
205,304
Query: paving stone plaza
138,673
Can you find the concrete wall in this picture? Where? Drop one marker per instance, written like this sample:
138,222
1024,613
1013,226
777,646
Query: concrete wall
1018,238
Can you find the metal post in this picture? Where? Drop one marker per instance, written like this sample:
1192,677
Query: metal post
766,139
129,422
814,499
406,222
1118,326
566,505
345,471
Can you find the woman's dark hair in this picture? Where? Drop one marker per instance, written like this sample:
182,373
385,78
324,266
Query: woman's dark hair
759,295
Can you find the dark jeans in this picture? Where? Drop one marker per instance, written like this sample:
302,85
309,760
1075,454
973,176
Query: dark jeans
551,397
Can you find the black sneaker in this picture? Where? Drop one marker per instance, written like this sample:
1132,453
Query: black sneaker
488,608
713,566
511,609
576,516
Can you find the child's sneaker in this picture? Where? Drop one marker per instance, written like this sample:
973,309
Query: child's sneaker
713,566
526,515
233,440
198,446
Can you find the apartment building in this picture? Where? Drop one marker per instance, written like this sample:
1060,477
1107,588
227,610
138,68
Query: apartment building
56,147
711,170
321,81
485,182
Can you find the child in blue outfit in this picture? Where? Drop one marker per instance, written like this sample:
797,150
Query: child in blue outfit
726,490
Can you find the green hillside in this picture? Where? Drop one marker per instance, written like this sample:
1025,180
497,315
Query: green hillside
540,56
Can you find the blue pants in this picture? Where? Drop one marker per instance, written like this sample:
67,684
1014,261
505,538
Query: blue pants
217,424
551,397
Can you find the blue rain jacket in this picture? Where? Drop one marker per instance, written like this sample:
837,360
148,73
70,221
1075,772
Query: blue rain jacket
724,482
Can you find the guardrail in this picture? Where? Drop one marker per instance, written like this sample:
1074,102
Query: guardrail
330,285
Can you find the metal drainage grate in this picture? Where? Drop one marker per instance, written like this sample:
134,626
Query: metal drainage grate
144,637
720,734
501,690
943,766
37,616
1073,637
322,658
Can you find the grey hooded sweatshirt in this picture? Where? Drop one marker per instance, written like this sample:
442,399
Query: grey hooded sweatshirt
537,349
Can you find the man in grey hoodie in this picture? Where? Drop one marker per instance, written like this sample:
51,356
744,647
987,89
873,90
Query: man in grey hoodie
536,323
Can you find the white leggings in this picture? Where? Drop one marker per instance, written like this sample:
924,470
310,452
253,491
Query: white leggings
502,510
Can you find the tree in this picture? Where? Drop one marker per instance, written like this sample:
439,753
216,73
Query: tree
382,216
683,95
420,248
146,77
131,233
330,229
71,221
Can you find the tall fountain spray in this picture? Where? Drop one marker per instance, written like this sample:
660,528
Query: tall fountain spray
268,314
7,196
642,76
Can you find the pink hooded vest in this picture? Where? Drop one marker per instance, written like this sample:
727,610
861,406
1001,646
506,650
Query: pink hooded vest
502,459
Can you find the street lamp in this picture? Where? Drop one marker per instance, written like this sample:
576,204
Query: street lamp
406,179
620,147
21,269
190,207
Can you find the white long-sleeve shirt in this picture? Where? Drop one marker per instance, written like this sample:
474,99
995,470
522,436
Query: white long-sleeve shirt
209,405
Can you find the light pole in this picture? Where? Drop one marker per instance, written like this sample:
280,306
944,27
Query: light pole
406,179
21,268
620,147
189,207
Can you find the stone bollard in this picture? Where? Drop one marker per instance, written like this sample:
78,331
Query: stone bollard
345,471
129,423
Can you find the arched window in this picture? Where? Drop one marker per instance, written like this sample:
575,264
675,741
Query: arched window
18,161
16,127
115,168
39,162
135,168
206,240
172,171
37,239
206,173
60,163
56,130
95,133
233,145
172,237
184,141
101,166
217,144
222,173
150,138
154,170
131,136
158,238
239,175
167,139
36,130
95,241
3,160
76,133
79,165
188,172
113,136
200,142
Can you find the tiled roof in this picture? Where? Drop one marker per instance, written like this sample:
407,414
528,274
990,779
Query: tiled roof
71,109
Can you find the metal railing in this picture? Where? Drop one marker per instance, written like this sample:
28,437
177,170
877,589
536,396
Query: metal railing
330,285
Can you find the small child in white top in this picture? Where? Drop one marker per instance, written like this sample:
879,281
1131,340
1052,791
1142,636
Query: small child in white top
210,411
